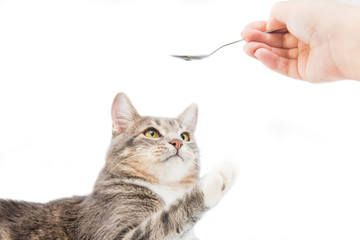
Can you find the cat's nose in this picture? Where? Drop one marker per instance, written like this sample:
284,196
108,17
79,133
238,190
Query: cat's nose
177,144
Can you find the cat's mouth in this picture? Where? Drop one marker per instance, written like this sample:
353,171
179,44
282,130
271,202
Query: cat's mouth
174,156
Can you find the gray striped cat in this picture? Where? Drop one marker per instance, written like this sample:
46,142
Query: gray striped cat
149,188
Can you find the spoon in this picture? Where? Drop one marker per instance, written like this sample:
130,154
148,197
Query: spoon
199,57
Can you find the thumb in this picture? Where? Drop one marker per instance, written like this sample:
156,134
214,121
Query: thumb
279,16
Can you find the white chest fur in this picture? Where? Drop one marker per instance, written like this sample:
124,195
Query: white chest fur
168,194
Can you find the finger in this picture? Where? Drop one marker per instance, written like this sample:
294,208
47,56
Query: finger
251,47
298,16
279,40
287,67
259,25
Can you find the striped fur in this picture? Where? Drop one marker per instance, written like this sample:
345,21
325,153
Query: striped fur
149,188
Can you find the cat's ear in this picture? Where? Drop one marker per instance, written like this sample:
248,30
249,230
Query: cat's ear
189,117
122,113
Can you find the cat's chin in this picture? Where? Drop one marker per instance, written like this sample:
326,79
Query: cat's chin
174,169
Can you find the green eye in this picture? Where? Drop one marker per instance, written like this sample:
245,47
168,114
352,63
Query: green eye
151,133
185,136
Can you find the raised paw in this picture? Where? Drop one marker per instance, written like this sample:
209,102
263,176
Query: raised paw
218,182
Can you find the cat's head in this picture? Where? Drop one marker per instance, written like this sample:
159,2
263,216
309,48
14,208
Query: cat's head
158,150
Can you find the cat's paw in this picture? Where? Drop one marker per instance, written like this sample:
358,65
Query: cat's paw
217,182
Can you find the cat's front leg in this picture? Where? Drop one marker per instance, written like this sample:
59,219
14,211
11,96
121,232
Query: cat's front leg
175,220
188,236
216,183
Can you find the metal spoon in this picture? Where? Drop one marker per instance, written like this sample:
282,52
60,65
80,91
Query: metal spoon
199,57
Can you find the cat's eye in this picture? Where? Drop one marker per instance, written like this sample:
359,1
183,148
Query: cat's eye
185,136
151,133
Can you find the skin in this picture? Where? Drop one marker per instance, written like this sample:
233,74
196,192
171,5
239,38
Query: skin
319,40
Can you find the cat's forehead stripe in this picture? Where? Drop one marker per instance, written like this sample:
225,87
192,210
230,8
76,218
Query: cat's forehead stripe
161,122
162,125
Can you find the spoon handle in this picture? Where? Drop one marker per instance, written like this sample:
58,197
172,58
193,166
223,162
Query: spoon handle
199,57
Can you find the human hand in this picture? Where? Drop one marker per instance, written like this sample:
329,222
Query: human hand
320,41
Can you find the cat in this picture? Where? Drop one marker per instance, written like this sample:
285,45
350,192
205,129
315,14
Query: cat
149,188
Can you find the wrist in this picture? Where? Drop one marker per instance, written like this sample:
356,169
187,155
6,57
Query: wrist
351,47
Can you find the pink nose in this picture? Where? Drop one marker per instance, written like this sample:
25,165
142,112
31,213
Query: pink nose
176,143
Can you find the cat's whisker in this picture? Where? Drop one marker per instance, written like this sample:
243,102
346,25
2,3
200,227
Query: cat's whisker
137,155
115,164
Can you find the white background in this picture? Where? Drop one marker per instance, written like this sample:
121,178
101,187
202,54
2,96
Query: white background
297,145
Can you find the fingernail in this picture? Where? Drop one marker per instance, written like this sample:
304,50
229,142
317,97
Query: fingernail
242,35
256,54
268,27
